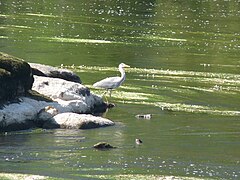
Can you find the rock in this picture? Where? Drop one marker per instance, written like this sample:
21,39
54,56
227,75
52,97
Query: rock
15,77
56,88
103,145
49,71
45,114
30,113
47,101
77,121
22,114
36,110
74,96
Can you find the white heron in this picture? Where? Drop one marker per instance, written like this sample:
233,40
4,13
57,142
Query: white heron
111,83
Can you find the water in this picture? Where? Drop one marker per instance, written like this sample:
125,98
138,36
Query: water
185,72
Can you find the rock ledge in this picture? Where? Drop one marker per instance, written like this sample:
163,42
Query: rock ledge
46,102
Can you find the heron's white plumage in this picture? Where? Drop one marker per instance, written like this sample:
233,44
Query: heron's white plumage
115,82
112,82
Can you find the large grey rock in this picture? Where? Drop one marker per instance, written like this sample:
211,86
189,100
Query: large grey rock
28,109
49,71
29,113
20,115
67,97
77,121
72,95
59,88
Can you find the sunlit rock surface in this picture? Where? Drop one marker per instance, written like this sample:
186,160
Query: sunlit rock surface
49,71
24,104
67,96
29,113
77,121
73,96
21,114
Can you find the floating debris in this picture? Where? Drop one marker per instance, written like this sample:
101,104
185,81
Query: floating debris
110,105
76,40
205,65
103,145
217,88
144,116
138,141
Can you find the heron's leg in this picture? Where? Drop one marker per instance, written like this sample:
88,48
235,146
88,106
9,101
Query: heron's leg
106,97
110,92
105,92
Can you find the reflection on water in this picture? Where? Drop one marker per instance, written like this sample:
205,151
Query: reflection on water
186,56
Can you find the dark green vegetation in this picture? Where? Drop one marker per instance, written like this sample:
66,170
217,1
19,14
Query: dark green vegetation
186,55
39,97
15,77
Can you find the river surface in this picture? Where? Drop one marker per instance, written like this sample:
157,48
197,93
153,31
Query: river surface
185,64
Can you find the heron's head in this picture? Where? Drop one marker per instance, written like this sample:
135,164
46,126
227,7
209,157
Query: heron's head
122,65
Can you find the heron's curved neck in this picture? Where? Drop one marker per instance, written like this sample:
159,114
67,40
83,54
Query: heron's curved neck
122,73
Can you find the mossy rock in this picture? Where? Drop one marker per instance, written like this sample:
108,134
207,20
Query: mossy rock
15,77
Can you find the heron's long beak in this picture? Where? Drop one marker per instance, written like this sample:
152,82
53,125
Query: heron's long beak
126,66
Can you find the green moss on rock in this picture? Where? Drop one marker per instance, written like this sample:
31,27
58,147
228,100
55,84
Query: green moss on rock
15,77
37,96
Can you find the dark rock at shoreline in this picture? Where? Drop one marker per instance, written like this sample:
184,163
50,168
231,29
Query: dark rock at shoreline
49,71
15,77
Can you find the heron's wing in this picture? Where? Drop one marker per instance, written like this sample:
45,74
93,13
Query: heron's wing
108,83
